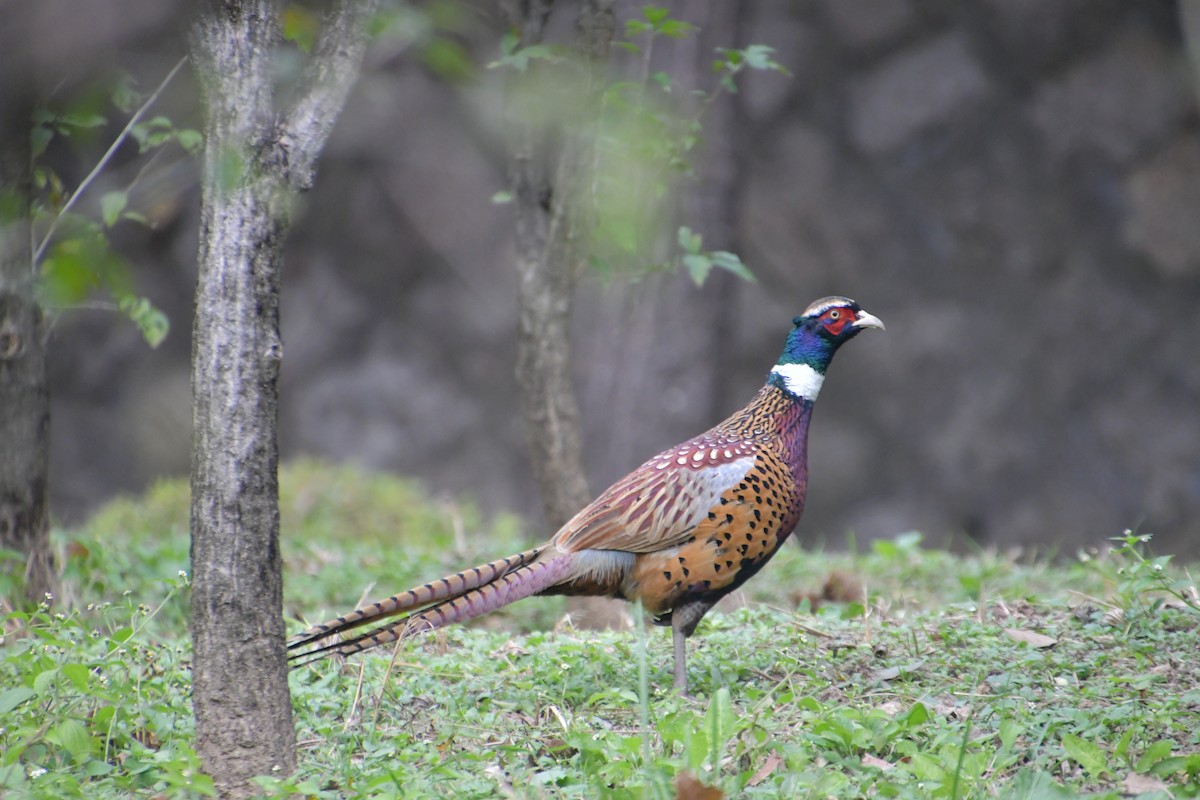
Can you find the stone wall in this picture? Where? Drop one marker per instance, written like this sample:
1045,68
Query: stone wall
1012,185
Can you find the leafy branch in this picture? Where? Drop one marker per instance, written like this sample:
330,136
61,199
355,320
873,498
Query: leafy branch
73,258
104,160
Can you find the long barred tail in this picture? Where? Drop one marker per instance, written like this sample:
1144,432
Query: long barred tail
455,598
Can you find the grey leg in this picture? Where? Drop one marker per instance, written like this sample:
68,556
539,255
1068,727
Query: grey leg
680,640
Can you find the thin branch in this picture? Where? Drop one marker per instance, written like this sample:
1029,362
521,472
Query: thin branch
328,79
103,162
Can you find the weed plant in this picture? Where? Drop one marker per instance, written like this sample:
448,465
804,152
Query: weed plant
899,672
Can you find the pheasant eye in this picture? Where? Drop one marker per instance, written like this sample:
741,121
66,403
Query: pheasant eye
835,314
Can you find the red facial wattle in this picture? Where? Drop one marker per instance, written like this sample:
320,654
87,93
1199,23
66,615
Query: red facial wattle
836,320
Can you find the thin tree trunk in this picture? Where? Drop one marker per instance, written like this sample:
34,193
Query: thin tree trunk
24,396
252,164
548,264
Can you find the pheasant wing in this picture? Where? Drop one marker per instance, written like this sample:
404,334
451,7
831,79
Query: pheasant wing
658,505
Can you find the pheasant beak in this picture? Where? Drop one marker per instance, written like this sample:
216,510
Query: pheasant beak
865,320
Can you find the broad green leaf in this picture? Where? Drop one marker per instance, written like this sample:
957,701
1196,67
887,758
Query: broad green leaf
698,266
44,680
72,736
1121,751
81,120
690,242
189,139
111,206
77,674
1153,754
676,29
758,56
11,698
1086,754
40,139
655,14
1009,731
301,26
448,59
124,96
917,715
731,263
718,724
12,776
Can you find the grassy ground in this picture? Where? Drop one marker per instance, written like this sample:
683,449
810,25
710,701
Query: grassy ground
983,676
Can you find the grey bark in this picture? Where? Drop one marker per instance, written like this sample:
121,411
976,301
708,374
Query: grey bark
253,163
24,397
548,263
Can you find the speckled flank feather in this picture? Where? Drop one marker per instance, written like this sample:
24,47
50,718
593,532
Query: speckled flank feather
678,533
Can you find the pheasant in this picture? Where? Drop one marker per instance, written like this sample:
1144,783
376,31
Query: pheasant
680,532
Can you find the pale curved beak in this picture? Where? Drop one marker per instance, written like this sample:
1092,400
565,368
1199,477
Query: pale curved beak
865,320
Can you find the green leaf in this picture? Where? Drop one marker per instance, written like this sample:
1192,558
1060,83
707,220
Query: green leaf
676,29
11,698
152,323
77,674
690,242
448,59
698,266
1009,731
1153,754
655,14
124,96
189,139
1086,754
519,59
111,206
300,26
635,27
72,736
81,120
1121,751
731,263
758,56
917,715
718,724
40,138
44,680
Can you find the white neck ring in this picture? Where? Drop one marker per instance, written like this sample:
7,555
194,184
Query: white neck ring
800,379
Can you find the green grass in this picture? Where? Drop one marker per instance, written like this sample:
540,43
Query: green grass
933,687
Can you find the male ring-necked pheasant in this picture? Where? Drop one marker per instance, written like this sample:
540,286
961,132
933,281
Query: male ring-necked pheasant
678,533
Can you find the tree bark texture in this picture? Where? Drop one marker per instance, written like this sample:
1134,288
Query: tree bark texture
548,263
253,163
24,397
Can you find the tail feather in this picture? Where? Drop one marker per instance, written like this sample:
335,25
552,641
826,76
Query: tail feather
456,598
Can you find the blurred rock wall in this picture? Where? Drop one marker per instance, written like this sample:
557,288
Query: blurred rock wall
1012,185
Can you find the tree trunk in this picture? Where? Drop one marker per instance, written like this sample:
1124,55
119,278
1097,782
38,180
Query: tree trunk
252,164
24,397
548,264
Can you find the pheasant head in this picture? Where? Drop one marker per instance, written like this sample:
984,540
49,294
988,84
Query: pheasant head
817,334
